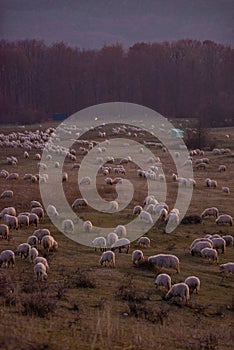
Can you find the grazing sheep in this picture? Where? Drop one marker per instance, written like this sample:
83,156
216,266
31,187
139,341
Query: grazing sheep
13,176
9,210
11,221
7,257
108,257
113,205
111,238
23,250
227,268
164,260
99,243
39,212
79,202
163,280
40,271
196,249
120,230
49,244
122,243
32,254
211,183
191,219
43,261
32,241
213,211
222,168
144,242
224,219
137,210
87,226
23,220
225,190
35,204
33,219
68,226
210,254
201,165
52,211
146,217
180,290
137,256
219,243
229,240
193,283
203,239
85,180
6,194
4,231
40,233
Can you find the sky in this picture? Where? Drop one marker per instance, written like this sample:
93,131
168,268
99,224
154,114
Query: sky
90,24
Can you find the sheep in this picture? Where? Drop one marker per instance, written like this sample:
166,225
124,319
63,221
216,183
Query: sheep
146,217
213,211
11,221
40,233
222,168
163,280
87,226
23,220
99,243
9,210
178,290
39,212
225,189
120,231
7,257
143,242
224,219
210,254
137,256
40,271
182,181
52,211
7,194
13,176
4,231
32,254
37,156
35,204
48,243
203,239
27,176
211,183
227,268
43,261
32,241
191,219
229,240
23,250
3,174
196,249
122,243
137,210
113,205
193,283
111,238
68,226
108,257
165,260
219,243
79,202
85,181
33,219
64,177
172,219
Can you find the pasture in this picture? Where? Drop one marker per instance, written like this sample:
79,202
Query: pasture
83,305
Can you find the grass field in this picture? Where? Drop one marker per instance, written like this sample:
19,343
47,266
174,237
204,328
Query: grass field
83,305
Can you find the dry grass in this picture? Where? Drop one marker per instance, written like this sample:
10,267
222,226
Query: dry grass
86,306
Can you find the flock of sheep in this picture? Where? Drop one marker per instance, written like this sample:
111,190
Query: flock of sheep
42,241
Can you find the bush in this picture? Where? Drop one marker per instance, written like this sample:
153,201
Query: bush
80,279
38,304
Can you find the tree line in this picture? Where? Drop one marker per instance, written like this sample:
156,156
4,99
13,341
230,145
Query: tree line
186,78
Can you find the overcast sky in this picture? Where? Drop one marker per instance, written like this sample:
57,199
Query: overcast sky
93,23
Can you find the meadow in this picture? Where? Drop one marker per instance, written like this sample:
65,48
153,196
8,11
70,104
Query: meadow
83,305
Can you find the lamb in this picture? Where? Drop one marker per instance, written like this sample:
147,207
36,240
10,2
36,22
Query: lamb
48,243
113,205
39,212
163,280
40,233
7,257
146,217
229,240
79,202
32,241
164,260
87,226
32,254
23,250
11,221
227,268
196,249
108,257
6,194
137,256
219,243
111,238
213,211
43,261
4,231
122,243
193,283
23,220
9,210
178,290
210,254
225,189
68,226
99,243
224,219
120,230
40,271
144,242
137,210
52,211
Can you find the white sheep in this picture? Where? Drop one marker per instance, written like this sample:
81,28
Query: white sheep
39,212
180,290
122,243
202,239
79,202
33,219
40,233
40,271
43,261
7,257
11,221
48,243
108,257
137,256
137,209
121,231
165,260
9,210
32,241
111,238
225,189
144,242
229,240
52,211
210,254
224,219
227,268
13,176
87,226
4,231
163,280
68,226
222,168
23,250
113,205
7,194
219,243
32,254
213,211
146,217
23,220
99,243
196,249
85,180
193,283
